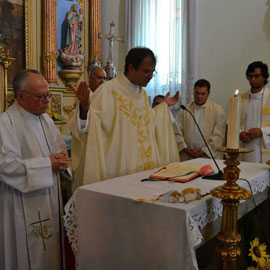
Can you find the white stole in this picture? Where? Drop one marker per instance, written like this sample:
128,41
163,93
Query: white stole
265,118
36,204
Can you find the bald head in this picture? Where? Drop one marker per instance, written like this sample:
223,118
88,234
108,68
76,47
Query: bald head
97,77
32,92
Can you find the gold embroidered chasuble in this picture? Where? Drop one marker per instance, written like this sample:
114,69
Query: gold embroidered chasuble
265,118
125,135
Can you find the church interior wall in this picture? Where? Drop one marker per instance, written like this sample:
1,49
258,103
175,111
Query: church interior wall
231,34
113,11
41,23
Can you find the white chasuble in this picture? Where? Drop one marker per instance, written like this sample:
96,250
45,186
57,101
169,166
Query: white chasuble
30,203
124,135
211,119
255,113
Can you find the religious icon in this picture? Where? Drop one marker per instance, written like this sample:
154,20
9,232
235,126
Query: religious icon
71,53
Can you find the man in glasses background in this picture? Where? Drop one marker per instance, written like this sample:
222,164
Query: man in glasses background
119,133
32,153
255,114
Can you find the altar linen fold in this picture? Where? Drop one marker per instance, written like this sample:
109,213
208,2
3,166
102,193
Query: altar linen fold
187,195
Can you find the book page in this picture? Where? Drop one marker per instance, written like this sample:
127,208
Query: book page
180,171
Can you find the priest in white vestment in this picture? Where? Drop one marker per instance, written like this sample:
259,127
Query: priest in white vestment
31,154
255,114
211,119
119,133
97,77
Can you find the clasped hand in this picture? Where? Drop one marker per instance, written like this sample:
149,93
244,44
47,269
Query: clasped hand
194,153
59,161
249,135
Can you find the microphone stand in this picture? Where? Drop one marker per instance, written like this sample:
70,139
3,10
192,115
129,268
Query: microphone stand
215,176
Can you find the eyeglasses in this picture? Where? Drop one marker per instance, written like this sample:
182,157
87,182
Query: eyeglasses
39,97
148,73
256,76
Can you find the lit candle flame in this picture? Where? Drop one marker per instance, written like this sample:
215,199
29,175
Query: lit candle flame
236,92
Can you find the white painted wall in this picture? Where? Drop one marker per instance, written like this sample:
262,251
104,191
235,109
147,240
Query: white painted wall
231,34
113,10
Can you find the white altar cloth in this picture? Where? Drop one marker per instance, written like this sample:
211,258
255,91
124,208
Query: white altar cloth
109,230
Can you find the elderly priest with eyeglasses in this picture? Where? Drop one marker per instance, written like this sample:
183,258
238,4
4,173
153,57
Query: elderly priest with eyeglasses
118,133
32,153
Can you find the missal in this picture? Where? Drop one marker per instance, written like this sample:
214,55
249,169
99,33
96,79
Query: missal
182,171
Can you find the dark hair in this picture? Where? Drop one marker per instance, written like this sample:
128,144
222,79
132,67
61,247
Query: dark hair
20,80
158,96
203,83
136,55
258,64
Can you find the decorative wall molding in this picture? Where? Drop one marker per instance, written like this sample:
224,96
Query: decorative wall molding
49,41
28,32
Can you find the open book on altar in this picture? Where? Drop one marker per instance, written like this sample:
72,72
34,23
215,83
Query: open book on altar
182,172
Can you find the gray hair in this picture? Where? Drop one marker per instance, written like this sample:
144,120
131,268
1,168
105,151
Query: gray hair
93,65
93,68
20,80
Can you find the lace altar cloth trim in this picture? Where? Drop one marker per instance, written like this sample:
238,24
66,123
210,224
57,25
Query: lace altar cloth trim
195,234
196,221
71,225
214,210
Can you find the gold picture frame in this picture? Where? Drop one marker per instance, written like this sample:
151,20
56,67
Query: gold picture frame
28,33
16,32
16,20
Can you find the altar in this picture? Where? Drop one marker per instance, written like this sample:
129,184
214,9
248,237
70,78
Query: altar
110,230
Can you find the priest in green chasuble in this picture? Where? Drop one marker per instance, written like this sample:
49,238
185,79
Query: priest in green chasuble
116,132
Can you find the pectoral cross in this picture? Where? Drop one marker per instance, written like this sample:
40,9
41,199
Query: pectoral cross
41,229
110,69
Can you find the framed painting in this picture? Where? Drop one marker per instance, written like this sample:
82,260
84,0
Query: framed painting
16,33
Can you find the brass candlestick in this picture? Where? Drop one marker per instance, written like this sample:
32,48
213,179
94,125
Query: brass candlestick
230,193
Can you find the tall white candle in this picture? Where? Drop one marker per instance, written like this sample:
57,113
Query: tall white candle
234,122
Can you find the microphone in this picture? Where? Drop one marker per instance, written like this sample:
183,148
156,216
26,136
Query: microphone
215,176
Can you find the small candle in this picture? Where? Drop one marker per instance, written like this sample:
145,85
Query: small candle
234,122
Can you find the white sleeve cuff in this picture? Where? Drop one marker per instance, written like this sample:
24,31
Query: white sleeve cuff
39,173
82,124
266,136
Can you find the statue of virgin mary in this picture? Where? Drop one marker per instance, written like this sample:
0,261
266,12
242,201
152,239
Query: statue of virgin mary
73,34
